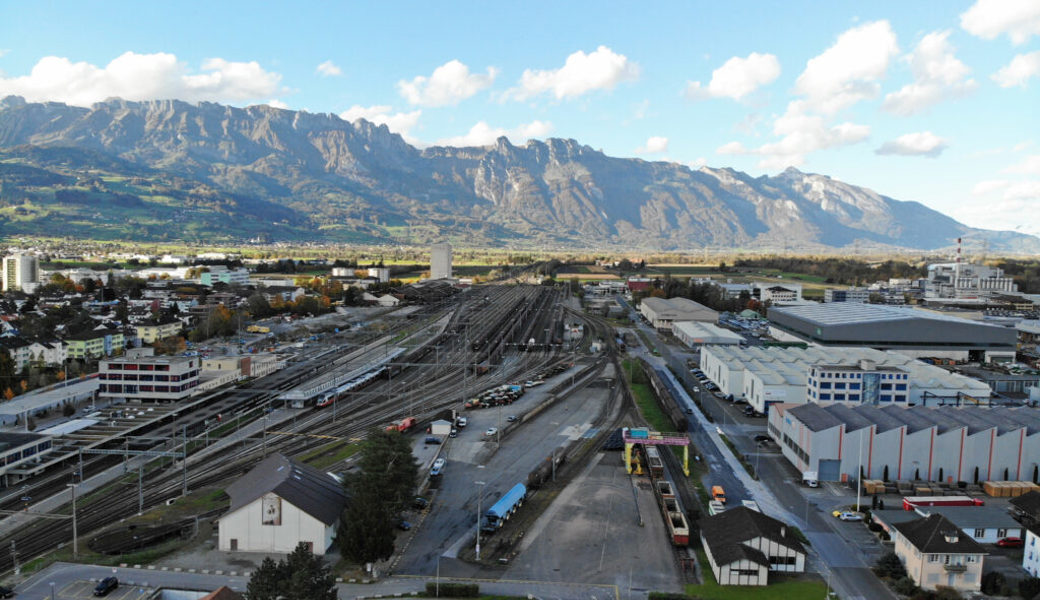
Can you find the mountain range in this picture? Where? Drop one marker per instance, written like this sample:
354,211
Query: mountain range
210,173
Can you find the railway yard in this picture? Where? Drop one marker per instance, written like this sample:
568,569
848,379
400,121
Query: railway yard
539,408
529,490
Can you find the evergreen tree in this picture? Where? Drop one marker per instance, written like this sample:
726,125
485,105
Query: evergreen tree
264,582
300,576
306,576
383,487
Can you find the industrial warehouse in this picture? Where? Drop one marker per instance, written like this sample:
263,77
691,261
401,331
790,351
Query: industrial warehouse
769,375
662,313
945,444
912,332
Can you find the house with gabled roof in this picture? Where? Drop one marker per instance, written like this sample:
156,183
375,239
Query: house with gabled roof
937,553
280,504
744,545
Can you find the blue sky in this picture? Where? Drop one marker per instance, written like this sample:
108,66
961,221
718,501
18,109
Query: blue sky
930,101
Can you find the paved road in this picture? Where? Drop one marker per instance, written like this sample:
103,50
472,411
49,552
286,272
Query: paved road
842,552
450,524
75,582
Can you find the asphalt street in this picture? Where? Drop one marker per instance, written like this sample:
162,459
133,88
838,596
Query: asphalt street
478,471
843,551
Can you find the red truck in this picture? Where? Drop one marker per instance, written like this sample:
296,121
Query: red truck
403,425
912,502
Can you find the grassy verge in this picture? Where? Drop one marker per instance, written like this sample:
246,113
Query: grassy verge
329,454
646,342
743,461
784,589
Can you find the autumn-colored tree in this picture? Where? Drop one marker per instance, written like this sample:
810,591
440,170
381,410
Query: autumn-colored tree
24,385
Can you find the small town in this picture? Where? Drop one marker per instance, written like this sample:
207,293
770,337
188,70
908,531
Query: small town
529,300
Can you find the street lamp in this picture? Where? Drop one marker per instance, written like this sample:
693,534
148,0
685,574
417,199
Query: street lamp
480,496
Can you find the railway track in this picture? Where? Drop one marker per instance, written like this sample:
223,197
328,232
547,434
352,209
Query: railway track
435,382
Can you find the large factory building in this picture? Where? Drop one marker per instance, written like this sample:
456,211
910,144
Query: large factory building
908,331
948,444
769,375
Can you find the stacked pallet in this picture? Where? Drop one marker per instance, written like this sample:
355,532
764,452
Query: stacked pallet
873,486
1008,489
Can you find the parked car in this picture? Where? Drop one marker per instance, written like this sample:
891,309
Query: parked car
105,586
1010,542
432,439
461,421
762,438
491,431
420,503
6,592
403,525
511,418
848,515
438,467
454,432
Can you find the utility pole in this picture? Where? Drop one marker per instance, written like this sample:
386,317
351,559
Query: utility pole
140,489
184,459
75,536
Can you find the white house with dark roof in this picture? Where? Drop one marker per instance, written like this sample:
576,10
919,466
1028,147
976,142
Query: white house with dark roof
744,545
936,553
278,505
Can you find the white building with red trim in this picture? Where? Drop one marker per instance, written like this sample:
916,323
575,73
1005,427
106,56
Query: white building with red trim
948,444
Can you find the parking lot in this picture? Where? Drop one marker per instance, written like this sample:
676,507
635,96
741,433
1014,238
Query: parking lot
85,589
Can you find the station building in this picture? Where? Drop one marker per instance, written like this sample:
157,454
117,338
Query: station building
947,444
663,312
911,332
768,375
159,378
18,451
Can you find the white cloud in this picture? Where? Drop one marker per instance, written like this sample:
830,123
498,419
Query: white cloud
483,134
923,143
737,77
134,76
987,19
848,71
1030,165
449,84
328,69
4,52
731,148
655,144
582,73
276,103
400,123
800,134
938,75
1019,70
1003,205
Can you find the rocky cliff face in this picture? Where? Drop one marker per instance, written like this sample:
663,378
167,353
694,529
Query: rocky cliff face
329,179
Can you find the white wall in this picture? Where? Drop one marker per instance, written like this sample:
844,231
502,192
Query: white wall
246,525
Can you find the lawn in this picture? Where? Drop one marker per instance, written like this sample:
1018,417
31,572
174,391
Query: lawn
786,589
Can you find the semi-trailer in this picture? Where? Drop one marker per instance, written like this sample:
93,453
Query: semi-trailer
912,502
501,511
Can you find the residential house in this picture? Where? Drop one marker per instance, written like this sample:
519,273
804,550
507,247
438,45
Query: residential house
95,343
936,553
744,545
151,332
